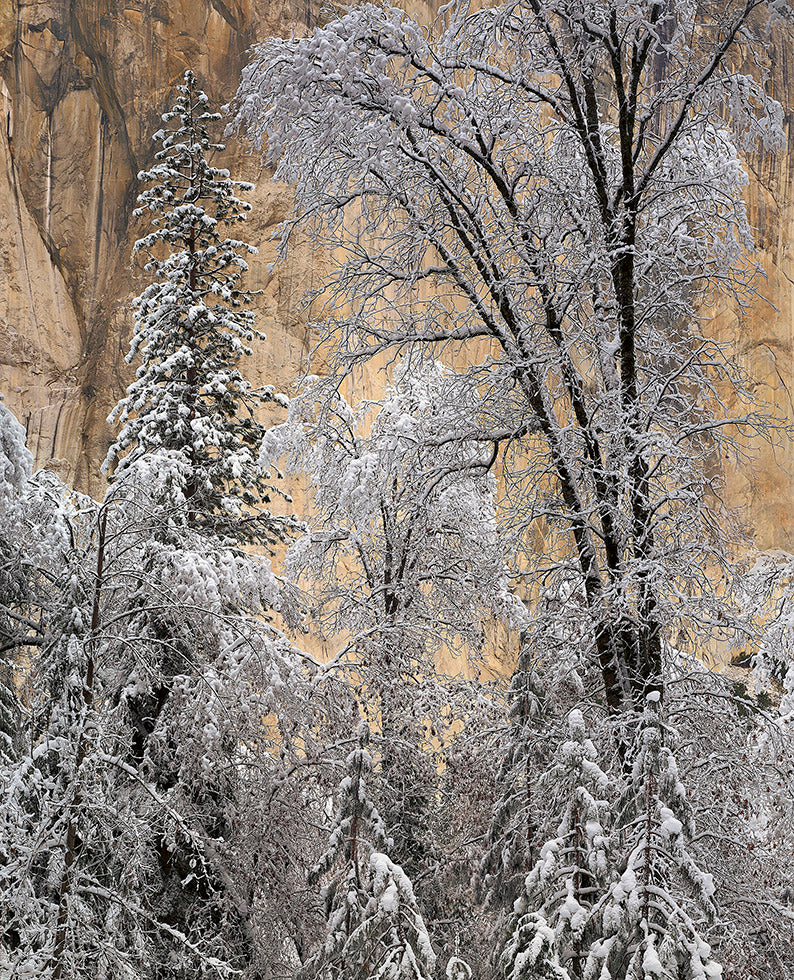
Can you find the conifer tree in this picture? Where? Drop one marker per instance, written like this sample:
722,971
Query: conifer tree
186,492
512,848
358,831
189,400
393,933
654,913
374,927
571,873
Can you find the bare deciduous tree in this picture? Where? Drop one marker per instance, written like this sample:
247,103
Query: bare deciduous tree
556,188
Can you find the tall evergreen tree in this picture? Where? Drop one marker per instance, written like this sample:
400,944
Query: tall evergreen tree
189,399
512,846
373,925
654,915
570,875
186,493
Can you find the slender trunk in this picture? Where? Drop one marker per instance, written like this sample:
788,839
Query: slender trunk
70,852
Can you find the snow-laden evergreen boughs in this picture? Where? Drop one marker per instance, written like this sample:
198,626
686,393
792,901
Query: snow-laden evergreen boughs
191,331
573,868
511,842
392,933
374,927
16,462
653,916
531,952
357,830
457,969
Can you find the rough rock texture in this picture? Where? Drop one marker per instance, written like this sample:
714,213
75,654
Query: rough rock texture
82,84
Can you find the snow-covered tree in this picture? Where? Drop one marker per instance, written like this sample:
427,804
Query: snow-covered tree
163,704
572,870
736,759
551,193
215,706
189,400
71,905
374,927
401,558
655,913
193,668
404,503
531,952
357,832
16,467
392,927
512,844
554,189
148,825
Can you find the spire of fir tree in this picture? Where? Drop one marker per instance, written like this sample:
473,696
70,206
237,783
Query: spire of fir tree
512,845
189,402
374,928
555,915
654,913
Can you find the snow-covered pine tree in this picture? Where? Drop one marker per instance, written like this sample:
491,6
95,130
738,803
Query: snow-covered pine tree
555,912
186,493
73,874
374,927
192,328
511,842
192,668
392,934
653,914
357,832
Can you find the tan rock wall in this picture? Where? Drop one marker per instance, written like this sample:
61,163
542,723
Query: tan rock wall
82,84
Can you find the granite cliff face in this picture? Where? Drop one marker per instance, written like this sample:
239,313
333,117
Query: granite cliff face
82,85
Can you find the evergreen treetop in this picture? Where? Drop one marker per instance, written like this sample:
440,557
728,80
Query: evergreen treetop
189,400
374,928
